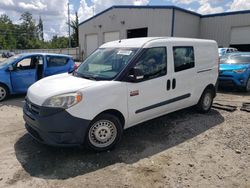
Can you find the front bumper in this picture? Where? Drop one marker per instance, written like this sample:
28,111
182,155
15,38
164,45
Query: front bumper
54,127
239,80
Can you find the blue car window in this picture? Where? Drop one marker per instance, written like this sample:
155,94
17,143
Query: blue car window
28,63
53,61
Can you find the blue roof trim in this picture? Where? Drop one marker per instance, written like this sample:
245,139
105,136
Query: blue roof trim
167,7
141,7
226,13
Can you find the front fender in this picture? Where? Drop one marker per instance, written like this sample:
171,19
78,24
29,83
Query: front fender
101,97
5,79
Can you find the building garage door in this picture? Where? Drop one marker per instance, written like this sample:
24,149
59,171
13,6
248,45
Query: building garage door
240,38
110,36
91,43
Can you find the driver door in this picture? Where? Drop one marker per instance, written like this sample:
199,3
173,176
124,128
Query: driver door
148,98
24,74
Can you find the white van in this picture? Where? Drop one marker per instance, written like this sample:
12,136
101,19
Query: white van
121,84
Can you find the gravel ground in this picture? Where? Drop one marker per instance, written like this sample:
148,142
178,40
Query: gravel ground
182,149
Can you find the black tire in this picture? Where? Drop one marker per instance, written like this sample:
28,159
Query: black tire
108,124
4,92
205,103
247,88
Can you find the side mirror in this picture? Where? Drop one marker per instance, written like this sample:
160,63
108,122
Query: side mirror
135,74
11,68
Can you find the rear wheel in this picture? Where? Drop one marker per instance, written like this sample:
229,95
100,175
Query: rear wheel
206,101
4,92
247,88
104,132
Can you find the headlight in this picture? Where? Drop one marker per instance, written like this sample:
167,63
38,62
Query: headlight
63,101
239,70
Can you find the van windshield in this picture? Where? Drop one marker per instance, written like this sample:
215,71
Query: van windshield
236,59
105,63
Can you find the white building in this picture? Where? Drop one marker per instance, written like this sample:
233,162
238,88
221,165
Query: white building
119,22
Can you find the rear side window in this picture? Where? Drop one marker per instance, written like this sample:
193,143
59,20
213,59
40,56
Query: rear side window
53,61
183,58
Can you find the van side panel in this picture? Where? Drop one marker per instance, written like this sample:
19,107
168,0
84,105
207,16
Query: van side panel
207,59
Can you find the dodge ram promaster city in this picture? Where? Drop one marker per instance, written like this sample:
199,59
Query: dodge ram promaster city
121,84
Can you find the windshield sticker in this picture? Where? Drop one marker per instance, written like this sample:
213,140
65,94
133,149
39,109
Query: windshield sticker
124,52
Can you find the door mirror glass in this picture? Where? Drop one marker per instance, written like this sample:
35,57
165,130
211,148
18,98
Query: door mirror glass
135,74
11,68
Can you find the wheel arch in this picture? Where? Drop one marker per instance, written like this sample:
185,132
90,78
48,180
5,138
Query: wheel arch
212,88
1,83
116,113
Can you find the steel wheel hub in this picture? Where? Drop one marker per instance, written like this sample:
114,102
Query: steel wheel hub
2,93
207,101
102,133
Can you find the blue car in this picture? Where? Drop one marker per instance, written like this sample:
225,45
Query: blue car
235,70
21,71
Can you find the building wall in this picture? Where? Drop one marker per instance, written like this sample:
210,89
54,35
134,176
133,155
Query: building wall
219,27
158,22
186,25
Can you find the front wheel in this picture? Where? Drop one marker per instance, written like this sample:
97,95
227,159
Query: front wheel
104,132
206,101
4,92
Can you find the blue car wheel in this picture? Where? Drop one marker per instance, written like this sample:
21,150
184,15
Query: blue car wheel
4,92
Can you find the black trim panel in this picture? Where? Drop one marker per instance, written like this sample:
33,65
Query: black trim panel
163,103
205,70
55,129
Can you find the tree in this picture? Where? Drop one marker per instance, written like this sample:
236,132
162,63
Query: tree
7,33
5,19
28,35
40,29
74,25
28,25
59,42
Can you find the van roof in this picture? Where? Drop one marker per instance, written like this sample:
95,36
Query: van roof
141,42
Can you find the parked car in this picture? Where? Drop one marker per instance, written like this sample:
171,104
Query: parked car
224,51
121,84
21,71
7,54
235,70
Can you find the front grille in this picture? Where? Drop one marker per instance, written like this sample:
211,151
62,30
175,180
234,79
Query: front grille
227,76
225,83
32,107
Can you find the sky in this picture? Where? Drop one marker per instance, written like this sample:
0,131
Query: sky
54,12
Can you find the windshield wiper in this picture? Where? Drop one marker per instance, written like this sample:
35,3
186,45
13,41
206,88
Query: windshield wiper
90,77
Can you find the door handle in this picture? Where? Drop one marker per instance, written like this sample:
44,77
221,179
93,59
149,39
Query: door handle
173,83
168,85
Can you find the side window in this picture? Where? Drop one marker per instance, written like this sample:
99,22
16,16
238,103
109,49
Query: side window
53,61
153,63
28,63
183,58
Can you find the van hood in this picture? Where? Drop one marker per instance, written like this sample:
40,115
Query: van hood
229,67
56,85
